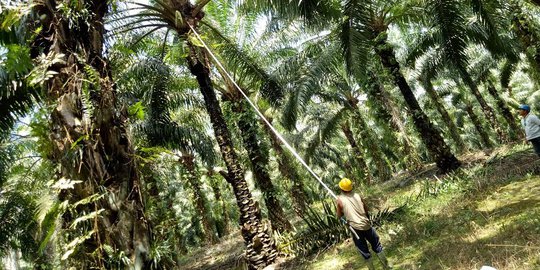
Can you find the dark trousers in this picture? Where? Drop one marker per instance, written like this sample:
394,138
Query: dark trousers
536,144
364,237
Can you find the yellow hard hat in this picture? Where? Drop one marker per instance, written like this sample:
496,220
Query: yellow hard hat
345,184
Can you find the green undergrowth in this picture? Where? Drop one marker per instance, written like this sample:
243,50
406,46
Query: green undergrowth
487,214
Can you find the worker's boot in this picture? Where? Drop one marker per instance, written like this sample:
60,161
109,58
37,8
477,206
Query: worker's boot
384,260
369,263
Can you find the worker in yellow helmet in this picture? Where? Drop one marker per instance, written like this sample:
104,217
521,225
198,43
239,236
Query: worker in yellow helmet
351,206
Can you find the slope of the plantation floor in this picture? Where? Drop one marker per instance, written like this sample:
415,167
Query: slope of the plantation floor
487,214
490,216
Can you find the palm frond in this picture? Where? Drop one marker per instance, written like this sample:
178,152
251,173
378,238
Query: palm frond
311,12
306,73
16,96
327,130
490,20
432,65
187,139
150,81
323,229
384,215
481,68
421,46
17,226
449,19
246,69
354,36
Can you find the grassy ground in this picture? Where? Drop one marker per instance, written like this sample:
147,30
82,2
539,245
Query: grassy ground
489,214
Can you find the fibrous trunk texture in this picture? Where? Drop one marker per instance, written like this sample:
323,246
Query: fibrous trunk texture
257,151
287,169
89,138
489,113
357,154
439,105
434,142
260,248
505,111
188,161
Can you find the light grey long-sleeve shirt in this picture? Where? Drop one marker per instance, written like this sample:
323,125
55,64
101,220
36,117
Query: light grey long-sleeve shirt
531,124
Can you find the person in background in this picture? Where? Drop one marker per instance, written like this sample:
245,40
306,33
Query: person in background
351,206
531,124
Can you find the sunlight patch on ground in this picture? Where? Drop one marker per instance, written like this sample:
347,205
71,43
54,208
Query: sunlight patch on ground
486,232
330,264
527,191
342,256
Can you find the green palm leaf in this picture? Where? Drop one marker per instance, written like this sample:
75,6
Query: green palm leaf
327,130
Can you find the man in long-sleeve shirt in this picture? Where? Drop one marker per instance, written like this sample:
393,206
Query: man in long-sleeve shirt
531,124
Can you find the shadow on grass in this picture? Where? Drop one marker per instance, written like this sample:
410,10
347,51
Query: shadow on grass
492,220
499,227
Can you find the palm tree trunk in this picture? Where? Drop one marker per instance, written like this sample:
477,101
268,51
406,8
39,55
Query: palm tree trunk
188,161
358,156
93,148
486,109
287,169
222,226
452,128
505,111
369,142
384,173
506,72
261,250
390,115
380,104
258,152
486,142
434,142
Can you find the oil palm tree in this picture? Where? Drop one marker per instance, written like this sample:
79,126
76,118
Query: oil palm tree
482,72
17,96
378,26
161,94
181,17
253,80
362,27
88,134
388,116
258,152
324,77
344,93
449,35
461,101
433,67
429,70
525,29
439,105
